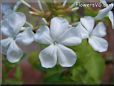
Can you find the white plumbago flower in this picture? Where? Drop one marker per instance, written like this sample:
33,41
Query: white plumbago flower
58,37
94,34
11,27
106,12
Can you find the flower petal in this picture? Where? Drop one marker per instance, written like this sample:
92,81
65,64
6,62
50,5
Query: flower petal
100,30
103,13
88,23
26,37
58,27
43,35
98,44
111,17
66,57
71,37
6,8
48,57
5,29
84,33
5,44
16,20
14,53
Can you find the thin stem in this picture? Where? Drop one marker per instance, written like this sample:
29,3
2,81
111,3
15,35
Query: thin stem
64,3
45,4
28,5
25,3
75,8
44,21
29,24
16,5
40,5
23,28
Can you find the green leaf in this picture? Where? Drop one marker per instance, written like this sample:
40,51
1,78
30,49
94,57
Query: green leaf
57,75
89,12
90,65
18,73
52,72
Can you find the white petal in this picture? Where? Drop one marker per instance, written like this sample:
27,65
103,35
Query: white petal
26,37
14,53
48,56
71,37
6,8
103,13
43,35
16,20
66,57
104,2
88,23
84,33
5,44
6,29
58,27
98,44
100,30
111,17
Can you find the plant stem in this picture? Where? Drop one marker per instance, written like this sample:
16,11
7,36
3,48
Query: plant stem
16,5
29,6
29,24
64,3
40,5
25,3
44,21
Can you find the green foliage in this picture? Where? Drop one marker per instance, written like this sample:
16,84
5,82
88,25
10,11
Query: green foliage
53,76
17,78
89,67
34,61
90,12
7,67
18,73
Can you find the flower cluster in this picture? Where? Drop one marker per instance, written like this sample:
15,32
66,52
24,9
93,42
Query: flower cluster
13,27
58,35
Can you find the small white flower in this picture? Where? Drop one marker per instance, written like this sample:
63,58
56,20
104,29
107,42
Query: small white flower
106,12
11,27
94,34
57,37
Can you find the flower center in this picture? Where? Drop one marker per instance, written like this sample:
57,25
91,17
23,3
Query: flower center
90,34
55,42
